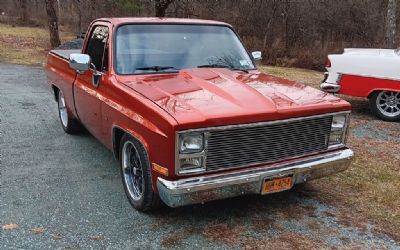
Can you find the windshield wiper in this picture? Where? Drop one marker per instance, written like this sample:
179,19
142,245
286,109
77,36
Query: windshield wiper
221,66
156,68
244,70
215,65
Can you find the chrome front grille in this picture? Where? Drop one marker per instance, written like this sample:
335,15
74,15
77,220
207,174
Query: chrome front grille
246,145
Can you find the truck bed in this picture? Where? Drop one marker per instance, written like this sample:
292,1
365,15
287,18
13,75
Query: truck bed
64,53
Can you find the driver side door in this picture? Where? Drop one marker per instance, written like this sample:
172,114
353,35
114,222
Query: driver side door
87,94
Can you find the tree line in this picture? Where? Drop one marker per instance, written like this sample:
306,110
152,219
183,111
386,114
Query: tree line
289,32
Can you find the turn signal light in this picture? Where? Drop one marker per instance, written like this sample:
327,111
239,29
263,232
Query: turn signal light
159,169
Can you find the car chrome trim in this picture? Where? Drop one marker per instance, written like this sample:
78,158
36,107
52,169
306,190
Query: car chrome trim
345,132
256,124
247,125
330,87
224,185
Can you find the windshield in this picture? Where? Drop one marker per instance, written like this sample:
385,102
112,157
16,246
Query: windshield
168,48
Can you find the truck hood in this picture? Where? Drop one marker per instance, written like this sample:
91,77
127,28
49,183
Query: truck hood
212,97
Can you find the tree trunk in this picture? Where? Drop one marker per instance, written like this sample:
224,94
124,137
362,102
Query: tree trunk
53,23
161,6
76,7
23,11
93,9
285,27
391,24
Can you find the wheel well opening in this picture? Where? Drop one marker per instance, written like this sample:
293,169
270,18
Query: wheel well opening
117,136
376,91
55,91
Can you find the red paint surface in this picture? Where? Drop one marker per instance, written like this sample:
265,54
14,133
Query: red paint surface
362,86
153,107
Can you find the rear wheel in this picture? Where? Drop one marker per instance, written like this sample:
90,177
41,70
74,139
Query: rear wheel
386,105
69,124
136,175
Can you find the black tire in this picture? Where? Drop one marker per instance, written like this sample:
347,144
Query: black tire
375,99
147,199
69,124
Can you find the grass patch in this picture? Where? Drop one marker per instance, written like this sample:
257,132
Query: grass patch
309,77
26,45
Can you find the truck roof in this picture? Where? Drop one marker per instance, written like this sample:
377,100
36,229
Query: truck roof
121,20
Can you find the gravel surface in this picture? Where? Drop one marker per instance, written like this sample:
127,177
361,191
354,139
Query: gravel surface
65,191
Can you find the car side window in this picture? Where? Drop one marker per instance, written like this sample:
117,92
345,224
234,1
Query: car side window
96,47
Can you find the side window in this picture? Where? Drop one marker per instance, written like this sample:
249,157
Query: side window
96,47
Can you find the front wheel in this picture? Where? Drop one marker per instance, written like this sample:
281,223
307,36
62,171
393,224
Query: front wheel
386,105
136,175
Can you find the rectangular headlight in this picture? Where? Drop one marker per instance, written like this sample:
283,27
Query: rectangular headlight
190,153
193,164
191,143
338,130
338,122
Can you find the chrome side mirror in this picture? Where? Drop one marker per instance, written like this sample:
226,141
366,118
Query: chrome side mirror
257,55
79,62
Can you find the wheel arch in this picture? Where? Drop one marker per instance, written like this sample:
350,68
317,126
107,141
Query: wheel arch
373,91
118,132
55,91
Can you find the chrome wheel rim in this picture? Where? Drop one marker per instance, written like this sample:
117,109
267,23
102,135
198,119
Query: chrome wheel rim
62,109
132,171
388,103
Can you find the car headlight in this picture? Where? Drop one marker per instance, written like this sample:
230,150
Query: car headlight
190,153
338,122
338,130
191,143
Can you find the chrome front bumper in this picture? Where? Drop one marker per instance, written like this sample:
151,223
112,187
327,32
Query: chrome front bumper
224,185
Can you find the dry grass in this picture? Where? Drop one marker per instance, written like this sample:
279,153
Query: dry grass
285,241
370,189
25,45
309,77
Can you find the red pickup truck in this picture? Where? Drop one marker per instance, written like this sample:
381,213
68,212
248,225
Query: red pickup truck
183,108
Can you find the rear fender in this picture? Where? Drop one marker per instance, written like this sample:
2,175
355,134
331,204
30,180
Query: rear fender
364,86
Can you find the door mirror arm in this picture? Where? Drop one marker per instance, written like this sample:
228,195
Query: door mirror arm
96,77
82,63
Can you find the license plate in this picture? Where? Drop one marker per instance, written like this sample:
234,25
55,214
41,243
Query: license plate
277,184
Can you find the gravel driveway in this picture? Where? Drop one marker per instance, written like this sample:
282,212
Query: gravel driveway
65,191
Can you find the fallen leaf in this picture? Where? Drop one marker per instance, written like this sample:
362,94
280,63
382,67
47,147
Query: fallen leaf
97,237
56,237
9,226
38,230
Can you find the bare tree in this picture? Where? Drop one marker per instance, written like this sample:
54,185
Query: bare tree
77,5
391,23
53,23
161,6
289,32
23,11
93,9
